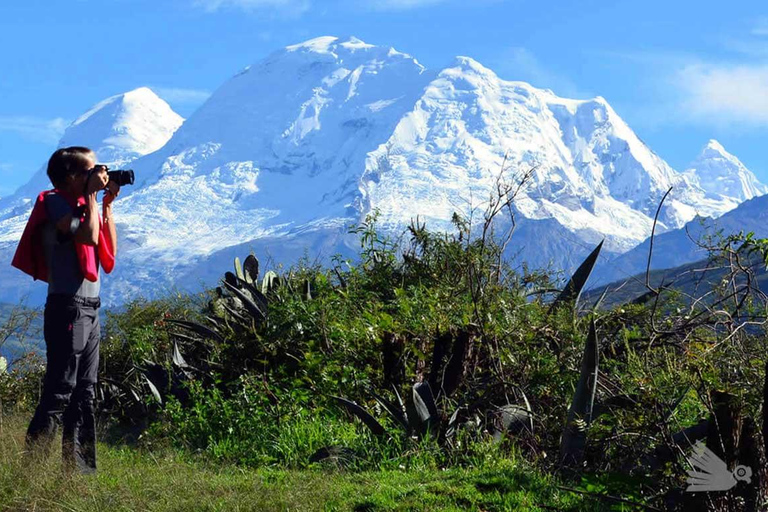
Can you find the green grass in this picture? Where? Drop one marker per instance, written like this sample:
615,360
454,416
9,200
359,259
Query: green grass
158,480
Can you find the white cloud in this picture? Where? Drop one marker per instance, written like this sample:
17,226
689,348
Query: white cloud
728,92
182,96
35,128
686,88
724,93
401,5
288,7
760,28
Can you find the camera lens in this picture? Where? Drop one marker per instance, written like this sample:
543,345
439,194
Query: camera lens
121,177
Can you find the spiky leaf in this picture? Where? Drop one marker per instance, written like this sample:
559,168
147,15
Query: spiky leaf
364,416
200,329
178,359
338,455
154,390
397,413
440,350
580,413
249,305
254,293
269,282
239,270
251,269
453,423
424,401
403,407
515,418
454,369
572,290
231,279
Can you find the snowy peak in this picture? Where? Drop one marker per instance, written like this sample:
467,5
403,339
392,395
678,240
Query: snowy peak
330,45
320,44
588,161
471,65
287,111
119,129
714,149
609,155
339,48
721,174
124,127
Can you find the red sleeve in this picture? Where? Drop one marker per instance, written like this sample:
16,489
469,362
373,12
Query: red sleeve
106,258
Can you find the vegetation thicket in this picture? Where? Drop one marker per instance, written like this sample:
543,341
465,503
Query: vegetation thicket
435,353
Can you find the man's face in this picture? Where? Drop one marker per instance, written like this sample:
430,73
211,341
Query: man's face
77,185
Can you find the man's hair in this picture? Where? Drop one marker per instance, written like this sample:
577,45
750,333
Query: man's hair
67,162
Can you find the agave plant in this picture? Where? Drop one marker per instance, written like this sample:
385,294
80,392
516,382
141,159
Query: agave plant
128,397
572,291
419,417
244,300
580,413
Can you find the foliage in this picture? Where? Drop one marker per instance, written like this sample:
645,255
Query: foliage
442,355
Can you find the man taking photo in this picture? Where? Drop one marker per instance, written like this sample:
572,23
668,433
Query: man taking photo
65,243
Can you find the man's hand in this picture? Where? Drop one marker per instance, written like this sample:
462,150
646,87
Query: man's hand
111,193
98,179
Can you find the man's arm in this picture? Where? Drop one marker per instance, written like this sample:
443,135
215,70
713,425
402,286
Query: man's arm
112,191
84,232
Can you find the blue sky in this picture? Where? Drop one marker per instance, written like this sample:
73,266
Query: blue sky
679,72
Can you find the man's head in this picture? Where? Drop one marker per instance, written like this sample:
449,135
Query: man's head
68,167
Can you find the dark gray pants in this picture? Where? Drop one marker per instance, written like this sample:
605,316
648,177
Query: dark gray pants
72,334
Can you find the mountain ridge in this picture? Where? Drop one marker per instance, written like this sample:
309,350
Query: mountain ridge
293,149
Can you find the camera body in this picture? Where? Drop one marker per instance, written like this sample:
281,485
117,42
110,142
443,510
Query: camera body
120,176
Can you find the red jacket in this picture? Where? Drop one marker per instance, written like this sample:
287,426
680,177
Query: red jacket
30,255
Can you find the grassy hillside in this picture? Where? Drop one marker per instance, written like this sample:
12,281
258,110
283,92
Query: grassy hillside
163,480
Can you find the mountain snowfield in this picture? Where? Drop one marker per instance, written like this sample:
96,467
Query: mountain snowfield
294,149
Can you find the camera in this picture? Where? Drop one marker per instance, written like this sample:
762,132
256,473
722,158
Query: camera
121,176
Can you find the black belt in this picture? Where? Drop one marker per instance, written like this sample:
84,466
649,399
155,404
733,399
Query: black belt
90,302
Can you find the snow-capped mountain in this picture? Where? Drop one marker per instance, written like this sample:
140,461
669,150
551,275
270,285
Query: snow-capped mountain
722,175
119,129
289,152
592,174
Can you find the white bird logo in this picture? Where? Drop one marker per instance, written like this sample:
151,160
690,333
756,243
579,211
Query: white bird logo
710,473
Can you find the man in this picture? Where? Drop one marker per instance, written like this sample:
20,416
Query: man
74,241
